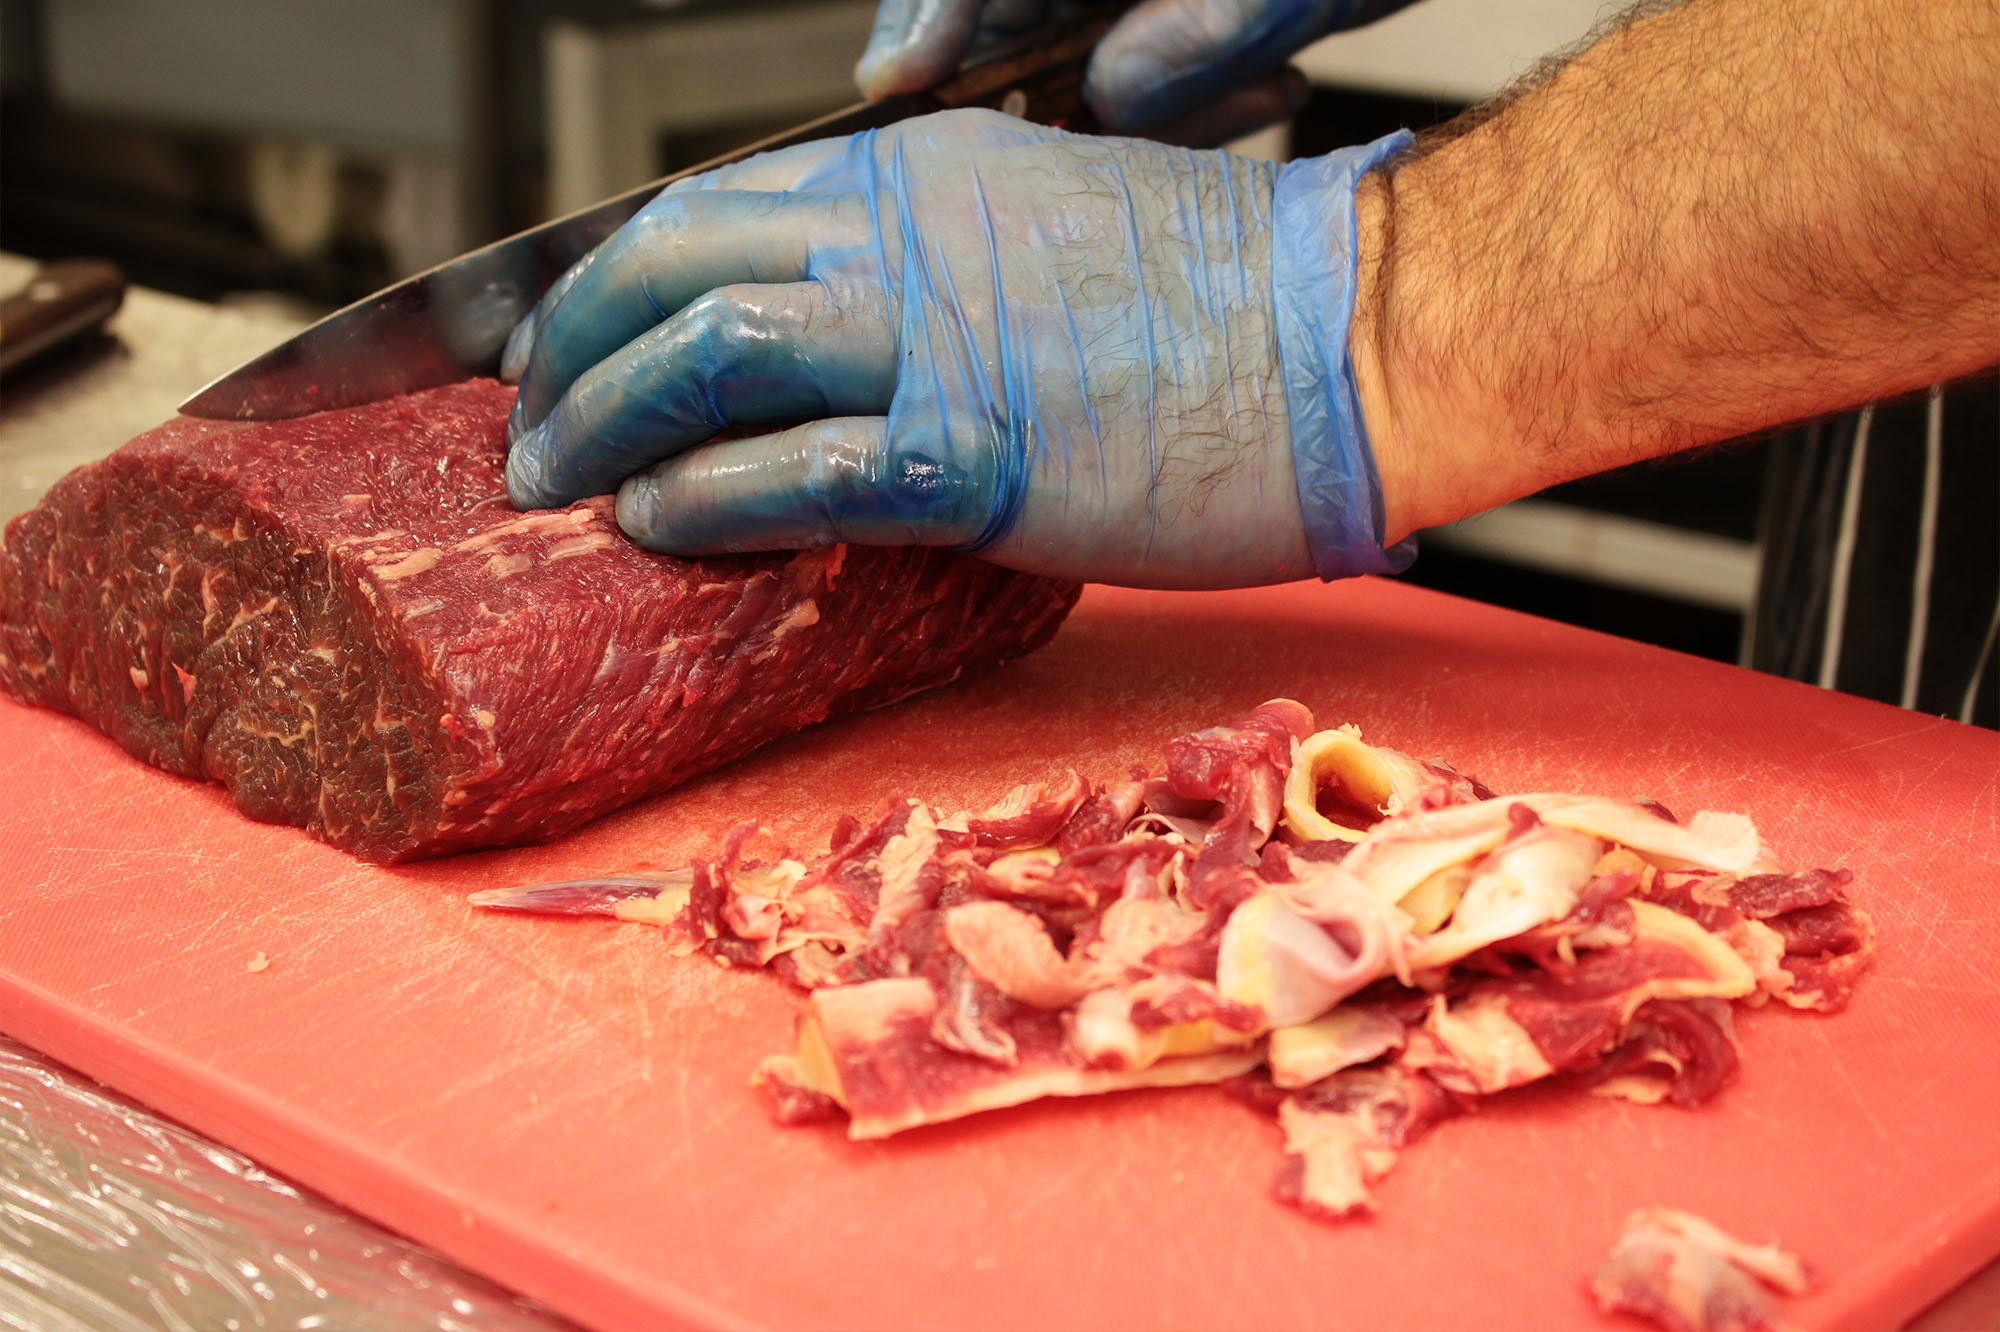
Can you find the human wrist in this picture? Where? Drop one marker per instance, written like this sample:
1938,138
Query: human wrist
1441,375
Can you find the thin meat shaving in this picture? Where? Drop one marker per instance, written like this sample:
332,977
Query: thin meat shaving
1362,942
1688,1275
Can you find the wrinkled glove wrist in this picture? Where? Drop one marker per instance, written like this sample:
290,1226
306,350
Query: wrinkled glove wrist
1313,278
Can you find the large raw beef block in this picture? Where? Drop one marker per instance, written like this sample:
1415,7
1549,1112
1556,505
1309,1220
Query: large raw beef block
342,619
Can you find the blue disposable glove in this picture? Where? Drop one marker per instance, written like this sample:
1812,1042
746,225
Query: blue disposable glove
1101,359
1189,71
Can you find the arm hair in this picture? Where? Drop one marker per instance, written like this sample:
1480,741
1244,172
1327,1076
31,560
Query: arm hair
1718,217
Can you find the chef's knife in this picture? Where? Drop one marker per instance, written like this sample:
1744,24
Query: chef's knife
451,322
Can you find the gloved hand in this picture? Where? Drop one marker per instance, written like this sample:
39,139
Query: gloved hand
1094,358
1189,71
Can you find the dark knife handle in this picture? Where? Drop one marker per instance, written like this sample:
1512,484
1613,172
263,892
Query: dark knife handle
61,302
1038,77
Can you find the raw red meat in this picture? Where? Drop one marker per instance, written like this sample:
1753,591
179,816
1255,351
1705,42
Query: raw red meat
342,619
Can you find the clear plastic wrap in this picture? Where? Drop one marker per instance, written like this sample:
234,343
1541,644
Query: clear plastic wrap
113,1219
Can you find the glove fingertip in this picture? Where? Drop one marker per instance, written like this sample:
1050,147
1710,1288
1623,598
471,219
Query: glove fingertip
902,66
527,471
1117,85
636,508
915,44
514,356
874,73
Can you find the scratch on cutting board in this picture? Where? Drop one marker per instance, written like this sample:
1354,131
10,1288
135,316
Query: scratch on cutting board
428,1038
1034,1203
1933,987
55,877
82,776
176,960
1929,724
100,852
1972,965
1930,926
479,1079
1952,929
683,1102
213,925
1972,822
1839,1066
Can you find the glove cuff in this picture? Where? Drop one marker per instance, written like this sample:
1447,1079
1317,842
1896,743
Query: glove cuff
1313,275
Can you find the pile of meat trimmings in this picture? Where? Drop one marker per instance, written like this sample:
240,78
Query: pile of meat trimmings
1362,941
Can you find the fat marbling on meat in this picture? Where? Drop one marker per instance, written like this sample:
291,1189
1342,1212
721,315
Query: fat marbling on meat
343,620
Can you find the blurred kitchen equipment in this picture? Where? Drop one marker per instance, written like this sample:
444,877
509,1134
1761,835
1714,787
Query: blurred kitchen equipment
450,323
61,304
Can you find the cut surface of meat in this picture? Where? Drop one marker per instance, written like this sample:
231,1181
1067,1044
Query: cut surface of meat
1158,931
343,620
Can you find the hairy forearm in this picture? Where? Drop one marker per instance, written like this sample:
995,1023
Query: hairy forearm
1723,217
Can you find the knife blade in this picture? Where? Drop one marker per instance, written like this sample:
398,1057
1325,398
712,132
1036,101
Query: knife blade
451,322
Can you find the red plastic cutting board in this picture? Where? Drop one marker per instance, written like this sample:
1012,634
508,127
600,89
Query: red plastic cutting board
564,1106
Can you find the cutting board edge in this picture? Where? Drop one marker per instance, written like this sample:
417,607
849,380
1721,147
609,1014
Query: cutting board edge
1931,1272
390,1191
407,1202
